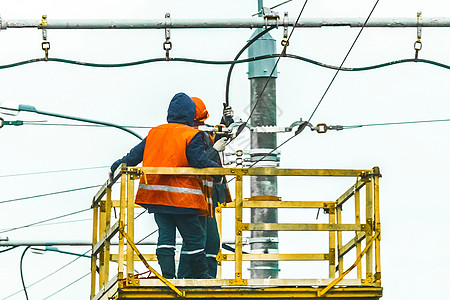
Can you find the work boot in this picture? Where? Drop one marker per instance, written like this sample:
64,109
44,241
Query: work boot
199,267
167,264
212,266
184,267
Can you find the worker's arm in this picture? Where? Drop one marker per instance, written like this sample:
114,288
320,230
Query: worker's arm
196,154
133,158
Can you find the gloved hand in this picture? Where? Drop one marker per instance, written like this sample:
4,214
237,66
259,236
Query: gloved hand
228,112
220,144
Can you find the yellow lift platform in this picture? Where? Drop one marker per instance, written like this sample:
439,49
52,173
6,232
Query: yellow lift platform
361,251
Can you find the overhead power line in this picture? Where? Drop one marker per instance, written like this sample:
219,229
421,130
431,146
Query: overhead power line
343,61
47,276
73,282
47,220
53,171
394,123
49,194
222,62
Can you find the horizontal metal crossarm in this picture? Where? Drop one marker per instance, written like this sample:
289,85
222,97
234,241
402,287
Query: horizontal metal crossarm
303,227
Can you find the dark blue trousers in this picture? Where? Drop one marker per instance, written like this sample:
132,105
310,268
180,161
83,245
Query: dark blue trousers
193,238
212,247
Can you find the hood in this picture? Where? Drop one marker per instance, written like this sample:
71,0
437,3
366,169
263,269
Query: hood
181,110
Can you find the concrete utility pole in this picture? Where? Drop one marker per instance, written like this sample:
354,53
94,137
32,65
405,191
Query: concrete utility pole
263,95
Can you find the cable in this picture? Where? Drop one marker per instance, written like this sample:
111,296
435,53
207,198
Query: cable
73,282
249,43
343,61
80,125
228,62
54,171
21,273
43,221
394,123
49,194
147,236
47,276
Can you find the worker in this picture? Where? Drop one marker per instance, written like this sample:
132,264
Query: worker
176,201
220,194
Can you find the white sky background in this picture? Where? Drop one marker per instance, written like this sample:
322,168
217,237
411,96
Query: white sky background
413,158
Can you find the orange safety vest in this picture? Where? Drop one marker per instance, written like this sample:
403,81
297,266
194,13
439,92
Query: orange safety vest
165,146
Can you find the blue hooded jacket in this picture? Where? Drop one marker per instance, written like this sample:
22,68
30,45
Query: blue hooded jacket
181,110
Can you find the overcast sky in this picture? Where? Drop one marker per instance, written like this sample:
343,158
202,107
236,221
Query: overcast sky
414,159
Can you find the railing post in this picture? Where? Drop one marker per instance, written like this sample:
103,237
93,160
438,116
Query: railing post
94,257
238,227
358,222
339,240
123,194
369,233
377,224
130,225
101,259
218,212
106,256
332,243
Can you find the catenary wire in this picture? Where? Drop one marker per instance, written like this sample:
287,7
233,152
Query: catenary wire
49,194
70,284
343,61
47,220
79,125
395,123
227,62
53,171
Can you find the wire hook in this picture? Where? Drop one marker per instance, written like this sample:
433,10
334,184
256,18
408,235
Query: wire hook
418,43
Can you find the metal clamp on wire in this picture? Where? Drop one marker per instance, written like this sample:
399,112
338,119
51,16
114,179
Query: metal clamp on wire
321,128
418,43
167,45
45,44
269,14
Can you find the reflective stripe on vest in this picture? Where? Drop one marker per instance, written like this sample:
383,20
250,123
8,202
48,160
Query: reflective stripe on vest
172,189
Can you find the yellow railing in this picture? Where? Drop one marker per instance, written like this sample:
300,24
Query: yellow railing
368,230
